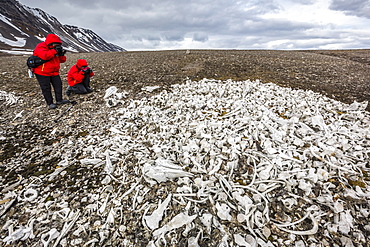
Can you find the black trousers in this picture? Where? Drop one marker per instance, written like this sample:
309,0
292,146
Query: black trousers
81,88
45,84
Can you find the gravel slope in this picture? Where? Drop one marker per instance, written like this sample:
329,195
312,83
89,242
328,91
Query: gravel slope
342,75
26,143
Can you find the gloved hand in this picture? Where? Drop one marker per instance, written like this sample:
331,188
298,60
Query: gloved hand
87,70
60,50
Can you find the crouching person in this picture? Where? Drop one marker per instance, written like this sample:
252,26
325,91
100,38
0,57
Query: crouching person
79,78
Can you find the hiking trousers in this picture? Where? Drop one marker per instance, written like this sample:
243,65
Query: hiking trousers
45,83
81,88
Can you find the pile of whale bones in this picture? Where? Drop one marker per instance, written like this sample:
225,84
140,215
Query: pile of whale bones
209,163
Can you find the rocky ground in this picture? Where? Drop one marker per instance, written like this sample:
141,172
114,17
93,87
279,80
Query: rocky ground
342,75
25,127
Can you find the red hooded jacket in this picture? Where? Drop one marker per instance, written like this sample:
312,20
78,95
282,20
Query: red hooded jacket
75,75
43,51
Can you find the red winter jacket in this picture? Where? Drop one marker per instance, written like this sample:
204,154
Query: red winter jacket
75,75
43,51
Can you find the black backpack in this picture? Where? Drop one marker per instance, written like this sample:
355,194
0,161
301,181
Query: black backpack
34,61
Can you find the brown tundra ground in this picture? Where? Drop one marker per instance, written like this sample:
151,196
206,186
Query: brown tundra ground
339,74
28,150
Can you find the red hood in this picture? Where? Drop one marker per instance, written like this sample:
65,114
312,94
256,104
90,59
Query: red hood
52,38
81,62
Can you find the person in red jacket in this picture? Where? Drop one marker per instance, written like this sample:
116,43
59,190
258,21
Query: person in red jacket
79,78
47,74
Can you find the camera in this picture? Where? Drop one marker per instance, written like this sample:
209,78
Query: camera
87,70
60,50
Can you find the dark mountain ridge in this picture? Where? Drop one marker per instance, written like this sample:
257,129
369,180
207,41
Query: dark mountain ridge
22,28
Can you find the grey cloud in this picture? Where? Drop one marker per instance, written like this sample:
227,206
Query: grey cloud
270,27
166,17
173,36
200,37
359,8
142,24
151,37
142,38
156,13
304,2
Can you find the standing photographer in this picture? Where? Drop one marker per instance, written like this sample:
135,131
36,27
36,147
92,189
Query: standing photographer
47,74
79,78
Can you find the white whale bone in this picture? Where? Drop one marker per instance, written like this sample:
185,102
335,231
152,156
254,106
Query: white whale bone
66,228
110,91
295,222
85,162
131,189
46,238
206,220
30,195
164,170
9,98
227,188
193,241
22,233
18,115
265,210
329,163
307,232
178,221
63,213
318,120
104,205
56,172
223,211
108,164
153,220
111,217
247,241
150,88
94,240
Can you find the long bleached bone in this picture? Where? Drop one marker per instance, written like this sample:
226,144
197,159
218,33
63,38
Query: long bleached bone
164,170
178,221
329,163
312,231
153,220
66,228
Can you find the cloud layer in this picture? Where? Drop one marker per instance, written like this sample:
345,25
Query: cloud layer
219,24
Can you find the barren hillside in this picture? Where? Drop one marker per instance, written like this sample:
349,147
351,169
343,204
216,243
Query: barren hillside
341,75
33,146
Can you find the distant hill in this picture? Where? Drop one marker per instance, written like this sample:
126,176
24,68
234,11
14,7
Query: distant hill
22,28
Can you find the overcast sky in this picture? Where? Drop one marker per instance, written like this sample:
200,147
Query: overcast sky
219,24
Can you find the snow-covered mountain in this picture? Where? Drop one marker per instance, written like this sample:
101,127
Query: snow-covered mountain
22,28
